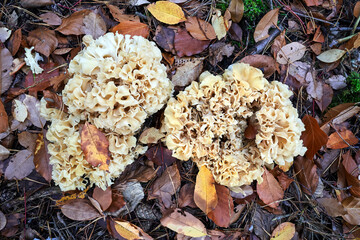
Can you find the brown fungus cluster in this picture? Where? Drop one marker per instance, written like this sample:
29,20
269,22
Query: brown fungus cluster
206,122
116,82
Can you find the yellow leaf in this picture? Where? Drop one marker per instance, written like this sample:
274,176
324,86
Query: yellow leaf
284,231
205,195
167,12
127,230
95,146
236,8
218,24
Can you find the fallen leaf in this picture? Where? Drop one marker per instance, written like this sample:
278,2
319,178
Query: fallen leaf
103,197
120,16
285,231
186,45
316,48
332,206
4,153
2,220
186,196
218,50
184,223
132,28
305,170
129,231
138,2
341,139
5,65
290,53
187,70
279,42
224,210
51,18
235,32
151,135
356,10
160,155
4,34
313,137
28,140
351,172
352,206
42,158
326,96
80,210
4,121
269,191
236,8
318,36
94,25
219,25
54,101
205,195
19,110
284,180
166,185
200,29
33,108
95,146
266,63
43,40
117,201
269,20
15,41
167,12
336,82
164,37
20,166
331,55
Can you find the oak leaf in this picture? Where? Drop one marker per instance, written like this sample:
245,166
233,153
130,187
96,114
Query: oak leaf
95,146
270,191
167,12
269,20
205,195
224,210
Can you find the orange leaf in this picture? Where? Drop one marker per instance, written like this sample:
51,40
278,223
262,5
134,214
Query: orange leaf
200,29
42,158
341,139
318,36
224,210
270,191
270,19
351,174
357,9
284,231
205,195
167,12
95,146
307,175
4,123
313,137
132,28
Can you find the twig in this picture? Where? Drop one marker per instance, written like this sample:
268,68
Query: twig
259,47
316,19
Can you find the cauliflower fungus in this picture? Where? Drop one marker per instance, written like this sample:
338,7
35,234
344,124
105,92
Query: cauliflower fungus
116,83
207,121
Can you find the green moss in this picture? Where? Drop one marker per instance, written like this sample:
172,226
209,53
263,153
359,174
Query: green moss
351,93
253,9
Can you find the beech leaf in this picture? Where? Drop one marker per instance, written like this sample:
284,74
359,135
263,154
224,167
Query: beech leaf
167,12
186,45
269,20
352,206
341,139
224,210
205,195
103,197
20,166
270,191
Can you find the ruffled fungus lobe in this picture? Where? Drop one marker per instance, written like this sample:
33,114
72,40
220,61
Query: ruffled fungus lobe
207,121
116,83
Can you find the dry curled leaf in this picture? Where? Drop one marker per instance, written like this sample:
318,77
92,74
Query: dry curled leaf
167,12
341,139
205,195
224,210
290,53
305,170
200,29
219,24
269,20
80,210
132,28
270,191
95,146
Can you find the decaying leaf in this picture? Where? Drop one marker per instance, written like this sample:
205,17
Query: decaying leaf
186,45
164,37
266,63
27,140
74,23
160,155
236,8
5,65
352,206
130,231
205,195
4,121
94,25
224,210
200,29
351,172
269,20
4,153
43,40
95,146
284,231
19,110
119,14
184,223
51,18
33,108
186,196
151,135
80,210
326,95
104,197
331,55
290,53
5,33
313,137
341,139
187,70
42,158
132,28
270,191
218,50
2,220
306,173
336,82
15,41
167,12
21,165
219,24
332,206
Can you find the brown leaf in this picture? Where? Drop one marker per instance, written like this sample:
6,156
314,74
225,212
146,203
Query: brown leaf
41,81
316,48
351,172
224,210
33,108
95,146
236,8
200,29
160,155
186,196
269,190
185,45
357,9
305,170
20,166
279,42
42,157
327,95
28,140
269,20
218,50
5,65
51,18
313,137
341,139
120,16
4,121
352,206
266,63
310,3
117,201
94,25
332,206
187,70
290,53
184,223
164,37
318,36
80,210
15,41
151,135
236,32
36,3
284,231
74,24
104,198
54,101
166,185
44,40
284,180
132,28
205,195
